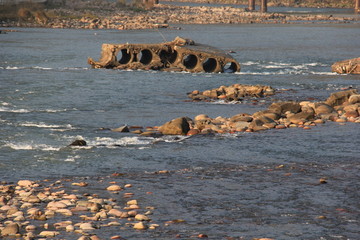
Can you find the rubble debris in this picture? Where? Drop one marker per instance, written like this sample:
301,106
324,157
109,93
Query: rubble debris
350,66
178,55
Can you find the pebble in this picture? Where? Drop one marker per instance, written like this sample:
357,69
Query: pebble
114,188
140,226
69,228
25,183
30,228
116,237
48,233
10,229
142,217
132,202
86,226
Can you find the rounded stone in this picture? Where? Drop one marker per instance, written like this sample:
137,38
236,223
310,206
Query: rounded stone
201,117
142,217
193,132
25,183
10,229
86,226
114,188
140,226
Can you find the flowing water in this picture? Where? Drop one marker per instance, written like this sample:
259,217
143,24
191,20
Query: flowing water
241,185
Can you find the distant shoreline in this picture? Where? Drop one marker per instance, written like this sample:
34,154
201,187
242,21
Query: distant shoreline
166,16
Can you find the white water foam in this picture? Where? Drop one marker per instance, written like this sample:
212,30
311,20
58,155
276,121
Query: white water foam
64,127
31,146
43,68
125,141
71,158
5,109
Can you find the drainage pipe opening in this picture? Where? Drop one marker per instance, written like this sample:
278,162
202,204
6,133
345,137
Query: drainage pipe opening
209,65
145,56
124,56
168,57
230,67
190,61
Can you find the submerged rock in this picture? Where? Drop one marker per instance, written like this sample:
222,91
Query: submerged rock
78,142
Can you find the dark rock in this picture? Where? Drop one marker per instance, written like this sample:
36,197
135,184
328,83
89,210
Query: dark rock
151,134
78,143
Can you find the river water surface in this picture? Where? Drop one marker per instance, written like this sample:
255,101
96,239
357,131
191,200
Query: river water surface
243,185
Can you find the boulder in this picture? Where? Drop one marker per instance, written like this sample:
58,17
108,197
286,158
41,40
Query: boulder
178,126
121,129
268,114
201,124
201,117
323,108
354,99
301,117
283,107
240,126
241,118
258,123
339,98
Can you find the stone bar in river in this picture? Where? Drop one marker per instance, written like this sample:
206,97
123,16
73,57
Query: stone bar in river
350,66
178,55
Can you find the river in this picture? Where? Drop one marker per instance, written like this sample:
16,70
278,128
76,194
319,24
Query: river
240,185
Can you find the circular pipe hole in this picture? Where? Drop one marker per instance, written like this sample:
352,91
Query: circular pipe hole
230,67
167,56
190,61
145,56
124,56
209,65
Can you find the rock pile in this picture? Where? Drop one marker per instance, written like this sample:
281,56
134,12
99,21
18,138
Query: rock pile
235,92
32,210
340,107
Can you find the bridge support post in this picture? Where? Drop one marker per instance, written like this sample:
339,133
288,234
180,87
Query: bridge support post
251,5
263,7
357,6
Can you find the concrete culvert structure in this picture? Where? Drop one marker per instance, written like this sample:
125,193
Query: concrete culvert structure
178,55
209,65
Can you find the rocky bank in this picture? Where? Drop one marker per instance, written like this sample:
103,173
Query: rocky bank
160,16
